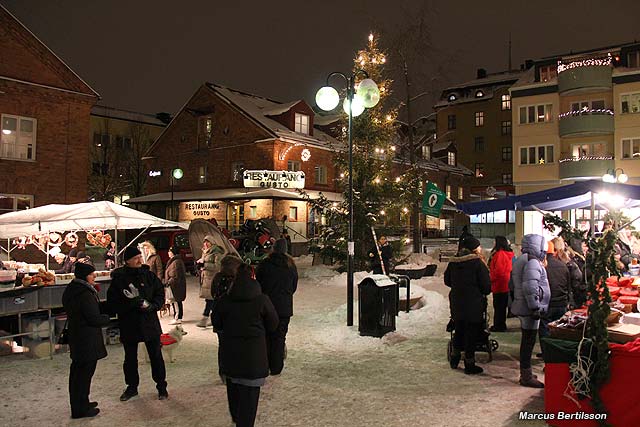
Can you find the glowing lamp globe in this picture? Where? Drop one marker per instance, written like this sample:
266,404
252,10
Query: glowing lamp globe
369,92
177,173
622,178
357,108
327,98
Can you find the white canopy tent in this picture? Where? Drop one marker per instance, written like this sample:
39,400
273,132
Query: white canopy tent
81,216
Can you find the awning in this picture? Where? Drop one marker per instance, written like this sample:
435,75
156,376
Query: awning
234,194
573,196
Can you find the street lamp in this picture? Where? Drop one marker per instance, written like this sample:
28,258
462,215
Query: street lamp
367,95
612,176
176,174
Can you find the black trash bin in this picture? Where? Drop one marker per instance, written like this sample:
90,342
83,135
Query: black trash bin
377,306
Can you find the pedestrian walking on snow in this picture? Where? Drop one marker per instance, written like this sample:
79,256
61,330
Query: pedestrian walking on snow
208,266
500,264
175,278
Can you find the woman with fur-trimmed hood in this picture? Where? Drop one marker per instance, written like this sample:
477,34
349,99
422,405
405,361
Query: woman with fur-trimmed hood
468,277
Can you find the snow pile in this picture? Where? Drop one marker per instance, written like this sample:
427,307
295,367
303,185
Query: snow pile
317,271
421,259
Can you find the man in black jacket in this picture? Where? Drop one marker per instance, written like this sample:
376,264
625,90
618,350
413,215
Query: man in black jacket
386,253
84,325
136,295
278,277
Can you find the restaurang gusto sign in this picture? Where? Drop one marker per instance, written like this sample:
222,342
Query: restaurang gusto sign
273,179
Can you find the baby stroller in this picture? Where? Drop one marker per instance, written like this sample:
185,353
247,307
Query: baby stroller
485,343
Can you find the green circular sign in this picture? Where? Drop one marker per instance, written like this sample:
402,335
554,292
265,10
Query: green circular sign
178,173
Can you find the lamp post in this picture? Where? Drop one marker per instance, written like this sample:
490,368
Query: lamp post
612,176
176,174
367,95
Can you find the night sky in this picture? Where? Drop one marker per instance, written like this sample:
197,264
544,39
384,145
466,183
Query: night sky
151,55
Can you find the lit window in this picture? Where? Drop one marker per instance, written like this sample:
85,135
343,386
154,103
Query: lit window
15,202
452,97
587,150
451,121
253,211
586,105
460,193
448,191
293,213
505,127
548,73
507,178
505,102
535,114
479,118
18,138
237,168
479,170
506,154
479,143
302,123
630,103
451,158
426,152
633,59
479,94
539,155
631,148
293,165
202,174
208,131
320,174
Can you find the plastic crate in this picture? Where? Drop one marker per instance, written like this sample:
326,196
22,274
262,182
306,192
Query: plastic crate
51,296
19,302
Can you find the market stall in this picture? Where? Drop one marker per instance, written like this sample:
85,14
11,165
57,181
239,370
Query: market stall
32,288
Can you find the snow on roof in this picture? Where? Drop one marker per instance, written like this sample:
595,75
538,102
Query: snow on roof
281,109
464,92
132,116
491,80
440,146
324,120
259,108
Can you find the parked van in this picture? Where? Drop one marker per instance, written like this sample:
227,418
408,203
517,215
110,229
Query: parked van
163,239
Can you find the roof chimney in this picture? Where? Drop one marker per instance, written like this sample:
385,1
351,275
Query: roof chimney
481,73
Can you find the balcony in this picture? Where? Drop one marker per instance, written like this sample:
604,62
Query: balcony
585,167
589,75
586,122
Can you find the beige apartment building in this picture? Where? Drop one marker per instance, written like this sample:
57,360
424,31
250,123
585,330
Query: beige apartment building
575,117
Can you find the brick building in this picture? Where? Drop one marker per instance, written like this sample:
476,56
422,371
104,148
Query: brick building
44,109
219,134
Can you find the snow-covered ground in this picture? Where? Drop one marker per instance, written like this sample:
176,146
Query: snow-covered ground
333,376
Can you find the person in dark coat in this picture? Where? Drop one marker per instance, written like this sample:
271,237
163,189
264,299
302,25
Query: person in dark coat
278,277
468,277
84,324
285,236
136,294
577,253
465,233
559,279
69,260
386,252
175,277
244,318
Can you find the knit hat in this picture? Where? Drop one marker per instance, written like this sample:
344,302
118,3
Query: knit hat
280,247
130,252
209,238
174,250
82,270
73,253
470,243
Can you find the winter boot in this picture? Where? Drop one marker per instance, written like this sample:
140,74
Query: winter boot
202,323
454,360
176,322
470,367
527,379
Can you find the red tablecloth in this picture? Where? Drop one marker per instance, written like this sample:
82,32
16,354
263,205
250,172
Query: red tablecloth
620,394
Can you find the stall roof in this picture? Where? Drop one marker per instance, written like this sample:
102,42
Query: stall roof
567,197
234,194
81,216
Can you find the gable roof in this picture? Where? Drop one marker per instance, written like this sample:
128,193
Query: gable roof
81,87
259,109
130,116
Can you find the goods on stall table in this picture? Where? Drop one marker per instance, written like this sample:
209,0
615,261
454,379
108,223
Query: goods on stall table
42,278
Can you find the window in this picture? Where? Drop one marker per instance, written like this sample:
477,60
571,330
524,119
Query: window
633,59
15,202
302,123
505,127
293,213
586,150
630,103
448,191
460,193
451,121
321,174
479,94
505,102
536,155
122,143
205,132
507,178
547,73
237,168
293,165
585,105
535,113
479,118
202,175
506,154
631,148
479,170
452,97
18,138
451,158
479,143
426,152
253,211
208,131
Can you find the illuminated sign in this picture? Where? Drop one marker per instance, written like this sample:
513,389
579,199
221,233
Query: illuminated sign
155,173
273,179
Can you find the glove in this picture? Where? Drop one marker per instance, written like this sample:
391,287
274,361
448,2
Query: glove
535,315
144,305
132,292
